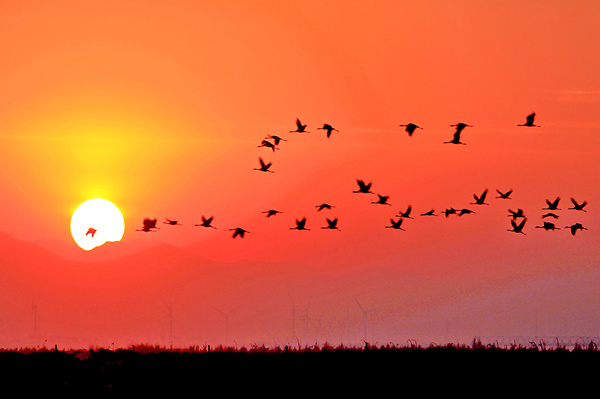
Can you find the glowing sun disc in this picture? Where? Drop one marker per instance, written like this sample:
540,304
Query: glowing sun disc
95,222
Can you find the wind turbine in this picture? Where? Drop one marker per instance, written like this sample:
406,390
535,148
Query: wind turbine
170,316
226,314
364,312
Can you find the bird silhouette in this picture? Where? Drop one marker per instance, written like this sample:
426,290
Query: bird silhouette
91,231
578,206
268,144
529,121
362,187
328,128
547,226
505,195
324,206
383,200
331,224
517,228
429,213
172,222
406,213
206,222
264,167
395,224
300,225
148,225
276,139
456,136
480,200
410,128
550,215
449,211
516,214
300,128
271,212
575,227
238,231
465,211
553,205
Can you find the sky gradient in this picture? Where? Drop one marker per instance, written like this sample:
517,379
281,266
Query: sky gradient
160,107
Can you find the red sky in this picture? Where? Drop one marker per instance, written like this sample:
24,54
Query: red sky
160,107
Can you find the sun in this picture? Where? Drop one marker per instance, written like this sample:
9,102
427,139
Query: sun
95,222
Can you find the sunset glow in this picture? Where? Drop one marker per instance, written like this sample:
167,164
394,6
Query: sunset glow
164,108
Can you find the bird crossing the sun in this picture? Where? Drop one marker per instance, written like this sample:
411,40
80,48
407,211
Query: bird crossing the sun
91,231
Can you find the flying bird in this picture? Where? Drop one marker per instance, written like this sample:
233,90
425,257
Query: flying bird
406,214
264,167
464,212
91,231
300,225
516,214
271,212
575,227
362,187
553,205
456,136
410,128
172,222
328,128
276,139
395,224
238,231
148,225
324,206
429,213
480,200
268,144
206,222
550,215
517,228
300,128
449,211
547,226
505,195
578,206
331,224
529,121
383,200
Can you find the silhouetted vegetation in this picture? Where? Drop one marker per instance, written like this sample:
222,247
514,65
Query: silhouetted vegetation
148,368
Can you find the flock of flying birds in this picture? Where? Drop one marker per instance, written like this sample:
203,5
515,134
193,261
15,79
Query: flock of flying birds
518,218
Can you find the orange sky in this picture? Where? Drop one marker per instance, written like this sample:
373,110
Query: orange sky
160,108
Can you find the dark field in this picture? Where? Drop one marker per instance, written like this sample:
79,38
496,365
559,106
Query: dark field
327,371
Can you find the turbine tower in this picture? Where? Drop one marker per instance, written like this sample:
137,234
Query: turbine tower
364,312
